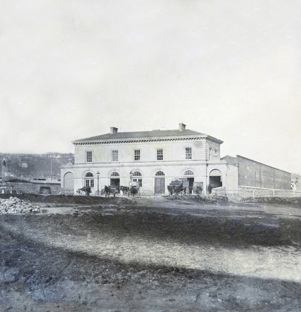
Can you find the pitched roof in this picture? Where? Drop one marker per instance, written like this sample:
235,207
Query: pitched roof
138,135
230,159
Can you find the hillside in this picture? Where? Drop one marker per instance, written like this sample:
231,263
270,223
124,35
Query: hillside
35,166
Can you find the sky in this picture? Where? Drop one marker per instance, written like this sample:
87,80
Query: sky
227,68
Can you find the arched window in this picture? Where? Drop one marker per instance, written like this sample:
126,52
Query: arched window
188,173
137,174
114,174
215,173
89,179
160,174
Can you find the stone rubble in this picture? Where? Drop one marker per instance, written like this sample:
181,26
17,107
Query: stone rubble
14,205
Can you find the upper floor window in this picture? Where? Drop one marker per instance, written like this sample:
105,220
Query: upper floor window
137,155
115,155
89,156
160,154
188,151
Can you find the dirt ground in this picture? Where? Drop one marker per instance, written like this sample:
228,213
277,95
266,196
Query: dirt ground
151,254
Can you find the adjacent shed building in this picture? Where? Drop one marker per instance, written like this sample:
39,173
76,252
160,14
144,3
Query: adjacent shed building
257,179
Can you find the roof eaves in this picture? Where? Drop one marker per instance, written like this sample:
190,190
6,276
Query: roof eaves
211,138
147,135
130,139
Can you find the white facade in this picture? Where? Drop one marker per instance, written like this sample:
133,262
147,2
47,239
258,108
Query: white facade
154,158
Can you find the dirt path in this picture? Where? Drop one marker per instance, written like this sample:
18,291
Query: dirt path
159,257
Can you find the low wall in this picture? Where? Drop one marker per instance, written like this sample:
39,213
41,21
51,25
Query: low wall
253,192
263,192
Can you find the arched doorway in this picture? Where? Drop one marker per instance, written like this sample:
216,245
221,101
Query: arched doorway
89,179
115,179
188,180
68,182
160,182
215,179
136,176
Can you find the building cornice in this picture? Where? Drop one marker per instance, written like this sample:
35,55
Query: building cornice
147,140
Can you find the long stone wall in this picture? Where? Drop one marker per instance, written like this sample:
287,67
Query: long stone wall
35,188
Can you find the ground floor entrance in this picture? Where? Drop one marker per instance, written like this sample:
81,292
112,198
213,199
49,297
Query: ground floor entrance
190,185
115,182
115,179
215,180
160,183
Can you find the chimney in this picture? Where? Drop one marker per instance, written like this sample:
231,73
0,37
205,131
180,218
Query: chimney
182,127
113,130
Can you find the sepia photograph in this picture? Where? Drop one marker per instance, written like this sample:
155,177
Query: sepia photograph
149,155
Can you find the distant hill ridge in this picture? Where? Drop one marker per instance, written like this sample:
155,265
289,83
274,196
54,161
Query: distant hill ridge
34,166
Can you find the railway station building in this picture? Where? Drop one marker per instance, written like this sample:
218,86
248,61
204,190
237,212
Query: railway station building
155,158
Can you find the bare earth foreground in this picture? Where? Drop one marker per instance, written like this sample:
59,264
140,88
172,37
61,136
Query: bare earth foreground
151,254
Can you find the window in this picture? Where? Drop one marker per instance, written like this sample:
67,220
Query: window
114,174
139,181
89,156
137,177
160,154
114,155
188,173
89,179
188,153
137,155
